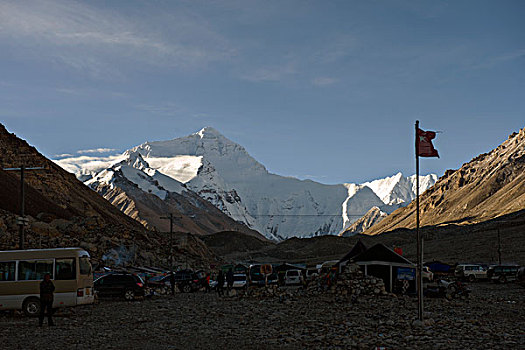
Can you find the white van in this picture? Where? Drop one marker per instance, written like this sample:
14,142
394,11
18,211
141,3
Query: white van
21,272
470,272
292,277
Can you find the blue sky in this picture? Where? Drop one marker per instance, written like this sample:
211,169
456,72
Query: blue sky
326,90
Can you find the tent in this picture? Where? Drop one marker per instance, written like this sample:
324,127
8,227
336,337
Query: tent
281,270
439,267
287,266
382,262
358,248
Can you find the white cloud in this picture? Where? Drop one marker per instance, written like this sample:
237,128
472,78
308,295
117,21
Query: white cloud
96,150
271,73
84,165
324,81
63,155
99,41
499,59
335,49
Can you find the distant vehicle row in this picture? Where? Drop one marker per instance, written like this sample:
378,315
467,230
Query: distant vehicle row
497,273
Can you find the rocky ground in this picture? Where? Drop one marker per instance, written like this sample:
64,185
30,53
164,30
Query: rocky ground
493,317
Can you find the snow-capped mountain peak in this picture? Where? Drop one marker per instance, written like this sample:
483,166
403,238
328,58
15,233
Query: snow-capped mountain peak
137,170
209,132
398,189
136,161
225,174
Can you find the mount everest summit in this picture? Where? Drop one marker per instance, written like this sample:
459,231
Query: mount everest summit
222,172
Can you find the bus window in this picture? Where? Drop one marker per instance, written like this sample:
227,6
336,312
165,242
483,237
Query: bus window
31,270
85,266
7,271
65,269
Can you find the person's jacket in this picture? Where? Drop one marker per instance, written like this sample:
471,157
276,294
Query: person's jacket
229,277
46,290
220,279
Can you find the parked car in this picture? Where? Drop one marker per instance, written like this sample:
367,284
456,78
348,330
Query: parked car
240,280
123,285
311,274
470,272
160,283
520,276
292,277
503,273
445,289
258,279
188,281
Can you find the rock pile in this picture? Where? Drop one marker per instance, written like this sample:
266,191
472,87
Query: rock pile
347,285
351,283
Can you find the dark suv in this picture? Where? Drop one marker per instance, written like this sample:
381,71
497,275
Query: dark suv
123,285
502,273
188,281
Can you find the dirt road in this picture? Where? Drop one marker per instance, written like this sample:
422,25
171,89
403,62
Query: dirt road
494,317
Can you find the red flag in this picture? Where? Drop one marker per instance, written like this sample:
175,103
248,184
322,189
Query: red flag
424,143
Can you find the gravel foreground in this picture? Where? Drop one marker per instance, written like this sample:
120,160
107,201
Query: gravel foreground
492,318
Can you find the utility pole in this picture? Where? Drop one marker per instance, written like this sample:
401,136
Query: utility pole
170,218
499,248
22,220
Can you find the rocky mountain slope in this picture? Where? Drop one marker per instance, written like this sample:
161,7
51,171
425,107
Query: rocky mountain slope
59,187
145,199
372,217
223,173
63,212
448,243
487,187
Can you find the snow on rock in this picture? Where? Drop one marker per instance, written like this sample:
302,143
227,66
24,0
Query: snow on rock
137,170
398,189
373,216
222,172
85,167
181,168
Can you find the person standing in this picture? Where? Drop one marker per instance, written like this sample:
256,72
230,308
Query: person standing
229,280
207,283
172,283
46,300
220,283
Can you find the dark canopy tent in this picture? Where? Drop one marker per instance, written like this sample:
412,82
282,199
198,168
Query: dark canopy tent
382,262
287,266
358,248
380,252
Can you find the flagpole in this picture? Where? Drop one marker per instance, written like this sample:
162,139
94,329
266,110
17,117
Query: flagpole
419,269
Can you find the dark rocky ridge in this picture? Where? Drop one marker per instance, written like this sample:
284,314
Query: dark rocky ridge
55,184
63,212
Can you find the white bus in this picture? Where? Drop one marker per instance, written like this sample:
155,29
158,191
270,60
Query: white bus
21,272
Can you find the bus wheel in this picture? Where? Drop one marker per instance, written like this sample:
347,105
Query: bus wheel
129,295
31,306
